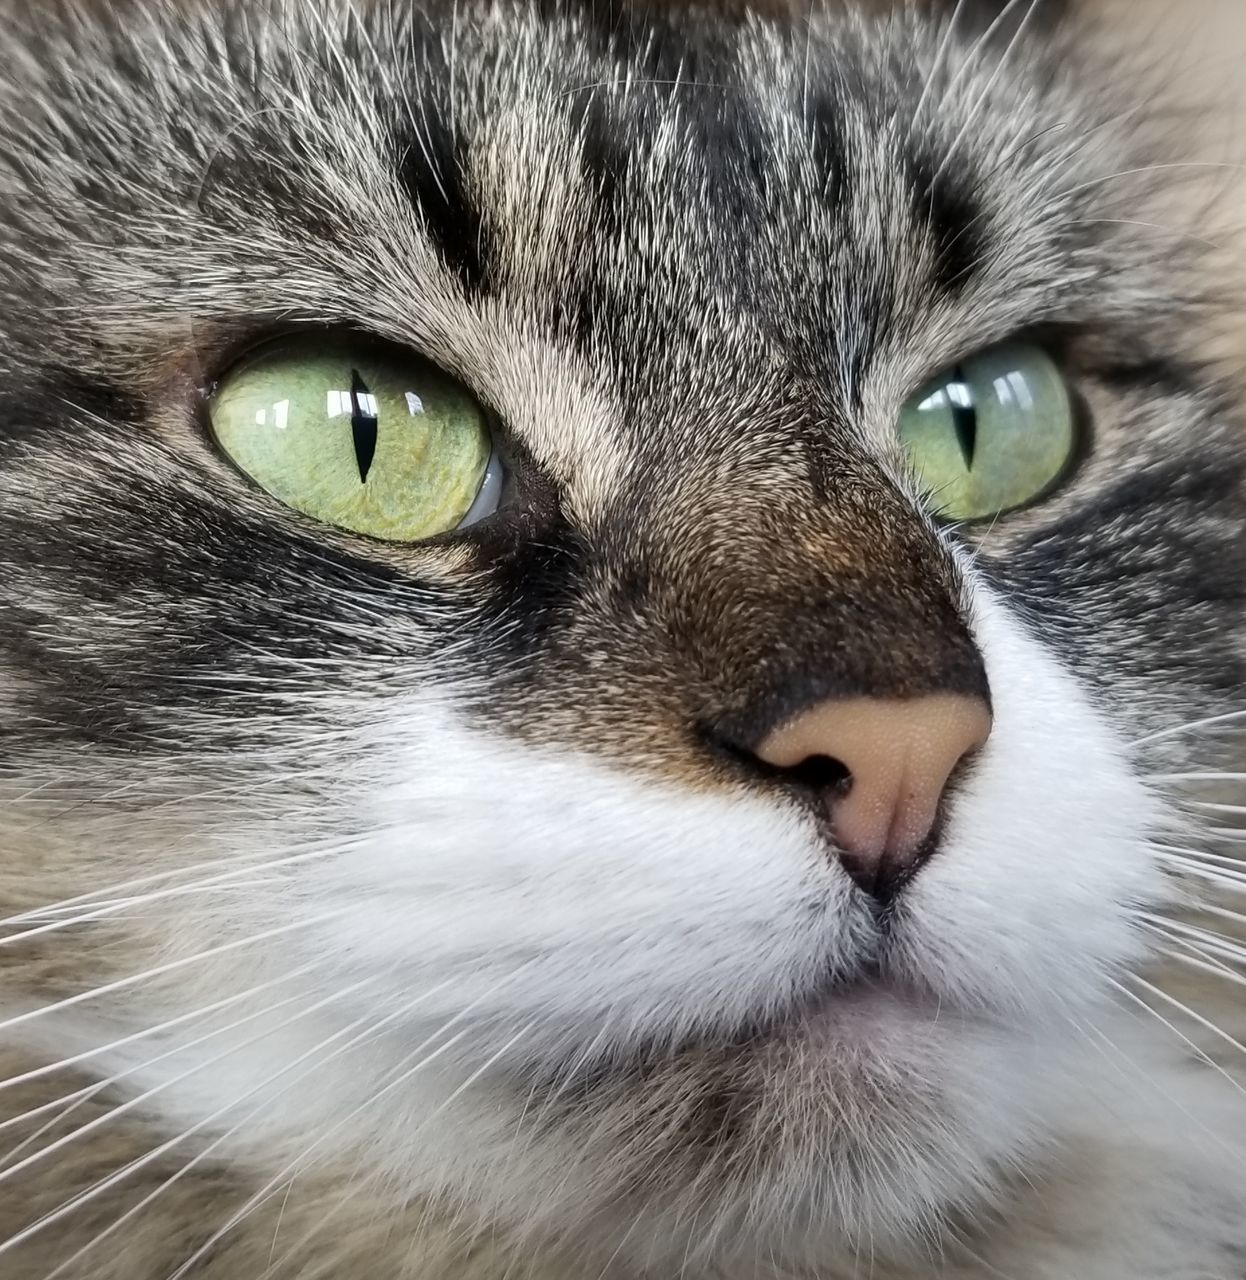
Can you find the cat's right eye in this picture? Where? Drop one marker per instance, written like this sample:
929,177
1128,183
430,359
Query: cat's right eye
363,436
993,433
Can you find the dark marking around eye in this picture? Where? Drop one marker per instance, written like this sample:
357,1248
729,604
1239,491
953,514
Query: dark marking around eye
964,420
363,424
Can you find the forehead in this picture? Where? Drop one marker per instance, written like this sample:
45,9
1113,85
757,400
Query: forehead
679,248
643,238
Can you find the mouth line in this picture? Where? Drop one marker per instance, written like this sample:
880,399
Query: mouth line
812,1011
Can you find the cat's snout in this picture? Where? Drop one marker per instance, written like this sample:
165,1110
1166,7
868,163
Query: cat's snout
895,757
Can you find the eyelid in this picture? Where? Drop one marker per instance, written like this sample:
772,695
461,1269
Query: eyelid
489,496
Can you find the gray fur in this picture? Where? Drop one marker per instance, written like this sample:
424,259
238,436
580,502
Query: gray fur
693,265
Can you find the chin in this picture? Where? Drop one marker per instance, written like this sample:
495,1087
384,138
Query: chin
865,1117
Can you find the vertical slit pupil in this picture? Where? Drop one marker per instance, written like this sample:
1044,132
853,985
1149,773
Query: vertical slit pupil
964,418
363,424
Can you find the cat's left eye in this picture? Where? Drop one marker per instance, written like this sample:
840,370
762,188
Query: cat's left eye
359,435
996,432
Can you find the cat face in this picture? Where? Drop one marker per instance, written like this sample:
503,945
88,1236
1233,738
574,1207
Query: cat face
492,812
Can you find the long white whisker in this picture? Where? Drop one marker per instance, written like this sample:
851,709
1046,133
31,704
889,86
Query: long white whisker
1199,1052
127,906
1177,233
1197,777
292,1167
1211,942
1164,1094
1227,861
1215,909
1152,168
1230,882
170,966
52,1068
1224,835
141,1162
67,1104
236,864
1199,960
937,65
1190,727
980,101
156,1090
1222,872
1187,1012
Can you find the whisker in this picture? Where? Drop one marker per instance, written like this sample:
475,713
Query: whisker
1225,871
119,1175
980,101
1230,863
1208,875
1165,1095
631,82
292,1167
171,966
1191,726
968,63
1215,909
52,1068
1201,962
936,66
69,1103
1197,777
7,1166
155,1091
1176,232
1195,1016
138,900
1208,940
319,850
1153,168
1199,1052
124,906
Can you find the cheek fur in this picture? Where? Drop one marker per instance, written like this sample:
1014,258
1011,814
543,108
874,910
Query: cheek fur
551,885
535,885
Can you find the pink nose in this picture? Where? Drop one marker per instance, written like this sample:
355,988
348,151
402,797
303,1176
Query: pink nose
898,754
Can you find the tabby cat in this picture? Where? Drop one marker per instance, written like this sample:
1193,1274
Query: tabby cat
618,630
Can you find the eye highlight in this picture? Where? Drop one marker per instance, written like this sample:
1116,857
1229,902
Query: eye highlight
362,436
993,433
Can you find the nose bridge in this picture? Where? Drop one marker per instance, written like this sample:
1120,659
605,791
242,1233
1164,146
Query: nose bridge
833,627
782,606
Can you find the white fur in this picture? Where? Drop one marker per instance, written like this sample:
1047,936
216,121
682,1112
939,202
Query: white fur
546,909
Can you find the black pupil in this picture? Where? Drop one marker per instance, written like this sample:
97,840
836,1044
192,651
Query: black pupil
363,423
964,416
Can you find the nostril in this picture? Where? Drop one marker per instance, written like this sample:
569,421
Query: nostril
880,768
823,774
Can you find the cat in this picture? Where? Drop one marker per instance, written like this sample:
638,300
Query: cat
618,627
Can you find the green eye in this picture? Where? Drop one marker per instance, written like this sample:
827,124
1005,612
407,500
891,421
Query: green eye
993,433
361,436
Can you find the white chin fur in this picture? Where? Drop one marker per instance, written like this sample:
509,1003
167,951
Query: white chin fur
553,910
